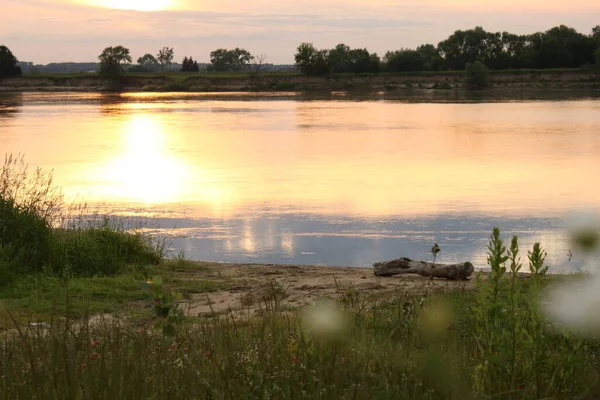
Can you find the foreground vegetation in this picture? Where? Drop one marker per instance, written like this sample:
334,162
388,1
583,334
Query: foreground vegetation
493,342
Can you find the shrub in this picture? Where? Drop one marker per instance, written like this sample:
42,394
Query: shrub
38,232
477,75
176,87
101,250
24,236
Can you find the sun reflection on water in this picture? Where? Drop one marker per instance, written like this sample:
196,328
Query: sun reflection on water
145,170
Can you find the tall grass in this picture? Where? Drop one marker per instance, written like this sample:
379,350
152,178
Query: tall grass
41,233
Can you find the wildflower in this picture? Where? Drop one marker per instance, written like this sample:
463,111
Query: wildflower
83,366
326,318
185,349
574,304
95,343
95,356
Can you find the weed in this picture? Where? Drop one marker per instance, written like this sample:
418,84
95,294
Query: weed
41,233
166,307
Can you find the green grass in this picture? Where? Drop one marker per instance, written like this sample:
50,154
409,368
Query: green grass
40,297
406,347
39,233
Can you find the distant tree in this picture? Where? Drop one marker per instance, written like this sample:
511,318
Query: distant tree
404,60
477,75
598,57
165,57
112,60
8,63
311,61
242,59
361,61
339,59
464,47
231,60
148,61
189,65
304,58
220,60
259,61
257,66
596,31
431,57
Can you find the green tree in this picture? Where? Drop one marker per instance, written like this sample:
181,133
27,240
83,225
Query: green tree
477,75
8,63
165,57
339,59
219,60
189,65
361,61
304,57
463,47
231,60
148,61
404,60
112,60
241,59
311,61
431,56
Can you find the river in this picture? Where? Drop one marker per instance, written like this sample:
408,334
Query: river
334,179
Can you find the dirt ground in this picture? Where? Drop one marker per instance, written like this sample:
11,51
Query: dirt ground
248,288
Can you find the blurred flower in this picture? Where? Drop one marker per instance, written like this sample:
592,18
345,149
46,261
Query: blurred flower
575,305
95,356
436,318
584,230
326,318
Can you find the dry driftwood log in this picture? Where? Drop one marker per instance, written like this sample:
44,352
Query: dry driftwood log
453,272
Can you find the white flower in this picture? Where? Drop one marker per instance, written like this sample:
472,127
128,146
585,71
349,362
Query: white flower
584,230
575,305
326,318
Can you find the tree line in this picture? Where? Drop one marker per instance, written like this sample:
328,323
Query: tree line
559,47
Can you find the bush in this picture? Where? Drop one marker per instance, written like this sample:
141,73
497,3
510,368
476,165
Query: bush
8,63
24,236
176,87
101,250
38,233
477,75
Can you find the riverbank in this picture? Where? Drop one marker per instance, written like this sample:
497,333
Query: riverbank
446,80
363,338
207,289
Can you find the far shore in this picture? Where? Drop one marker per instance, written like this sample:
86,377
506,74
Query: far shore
282,82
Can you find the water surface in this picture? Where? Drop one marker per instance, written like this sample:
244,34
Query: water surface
325,179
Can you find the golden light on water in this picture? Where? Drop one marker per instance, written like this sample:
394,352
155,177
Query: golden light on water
136,5
219,159
142,171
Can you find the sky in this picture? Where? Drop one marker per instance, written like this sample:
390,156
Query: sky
44,31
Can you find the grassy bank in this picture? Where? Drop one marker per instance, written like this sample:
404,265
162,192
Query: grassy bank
290,81
457,345
91,310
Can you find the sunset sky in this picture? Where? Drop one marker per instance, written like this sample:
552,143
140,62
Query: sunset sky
46,31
